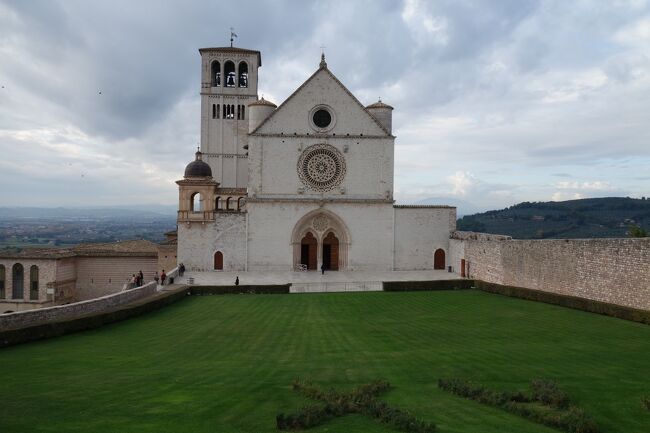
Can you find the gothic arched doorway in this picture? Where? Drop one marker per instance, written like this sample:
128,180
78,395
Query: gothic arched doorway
218,261
439,259
331,252
320,238
308,251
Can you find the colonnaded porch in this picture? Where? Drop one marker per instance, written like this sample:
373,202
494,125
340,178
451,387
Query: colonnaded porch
314,281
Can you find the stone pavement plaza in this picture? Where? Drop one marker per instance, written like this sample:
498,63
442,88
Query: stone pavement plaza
314,281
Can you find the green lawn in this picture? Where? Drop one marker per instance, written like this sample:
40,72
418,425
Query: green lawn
225,363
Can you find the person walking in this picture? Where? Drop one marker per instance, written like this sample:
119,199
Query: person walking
181,269
163,276
322,269
237,281
141,275
156,277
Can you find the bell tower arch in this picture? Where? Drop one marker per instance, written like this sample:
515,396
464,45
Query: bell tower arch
228,86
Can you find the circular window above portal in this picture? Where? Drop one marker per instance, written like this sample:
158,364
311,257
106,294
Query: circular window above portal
321,118
321,167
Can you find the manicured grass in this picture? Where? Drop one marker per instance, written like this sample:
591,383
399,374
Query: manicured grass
225,363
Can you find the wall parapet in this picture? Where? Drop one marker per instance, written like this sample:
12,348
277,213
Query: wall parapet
476,236
611,270
22,319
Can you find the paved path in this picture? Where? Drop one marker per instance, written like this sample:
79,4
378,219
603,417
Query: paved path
312,278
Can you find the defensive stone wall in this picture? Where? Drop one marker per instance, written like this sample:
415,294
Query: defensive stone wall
615,271
22,319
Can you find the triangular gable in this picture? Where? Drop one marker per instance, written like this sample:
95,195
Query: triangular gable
292,116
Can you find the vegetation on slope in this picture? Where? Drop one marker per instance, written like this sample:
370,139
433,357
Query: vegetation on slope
585,218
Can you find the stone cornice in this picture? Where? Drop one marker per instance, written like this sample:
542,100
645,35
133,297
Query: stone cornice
318,200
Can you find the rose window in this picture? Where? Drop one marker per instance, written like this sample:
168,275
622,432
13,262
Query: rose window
321,167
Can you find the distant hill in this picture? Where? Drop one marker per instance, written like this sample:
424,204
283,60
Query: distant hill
585,218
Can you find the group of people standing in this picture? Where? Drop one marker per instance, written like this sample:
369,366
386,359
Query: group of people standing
137,280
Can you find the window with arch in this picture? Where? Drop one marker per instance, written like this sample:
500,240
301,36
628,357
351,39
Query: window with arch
243,74
214,111
33,283
229,74
239,112
243,112
217,203
216,74
218,261
17,281
196,202
241,202
2,281
228,201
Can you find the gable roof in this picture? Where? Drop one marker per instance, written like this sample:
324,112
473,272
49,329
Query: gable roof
323,67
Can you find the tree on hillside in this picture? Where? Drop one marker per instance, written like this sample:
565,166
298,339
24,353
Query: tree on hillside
635,231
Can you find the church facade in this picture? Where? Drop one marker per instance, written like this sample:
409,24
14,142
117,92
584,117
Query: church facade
307,185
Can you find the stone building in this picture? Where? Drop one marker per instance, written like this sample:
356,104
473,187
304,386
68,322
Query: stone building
34,278
305,185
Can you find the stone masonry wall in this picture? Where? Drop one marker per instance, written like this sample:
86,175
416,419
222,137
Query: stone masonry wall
69,311
616,271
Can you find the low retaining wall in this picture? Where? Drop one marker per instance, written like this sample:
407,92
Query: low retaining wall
90,321
583,304
413,286
22,319
242,289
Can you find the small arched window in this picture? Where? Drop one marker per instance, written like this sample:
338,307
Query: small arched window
17,281
33,283
196,202
214,111
238,112
228,201
243,74
241,203
217,203
215,74
2,281
229,74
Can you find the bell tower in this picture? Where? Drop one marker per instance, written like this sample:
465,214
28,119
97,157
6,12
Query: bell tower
228,86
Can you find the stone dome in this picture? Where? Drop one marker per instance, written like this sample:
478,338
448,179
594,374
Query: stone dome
379,104
198,168
263,102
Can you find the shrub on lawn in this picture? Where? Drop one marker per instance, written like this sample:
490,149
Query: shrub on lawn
555,411
362,400
548,393
417,286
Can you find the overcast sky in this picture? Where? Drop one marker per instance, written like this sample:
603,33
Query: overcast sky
496,102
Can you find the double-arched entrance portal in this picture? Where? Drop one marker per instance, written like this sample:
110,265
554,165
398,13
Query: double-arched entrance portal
320,239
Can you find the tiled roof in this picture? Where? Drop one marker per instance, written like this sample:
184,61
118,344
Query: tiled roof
36,253
123,248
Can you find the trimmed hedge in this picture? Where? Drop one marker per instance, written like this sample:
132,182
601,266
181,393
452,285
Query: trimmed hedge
236,290
361,400
574,302
417,286
83,323
550,405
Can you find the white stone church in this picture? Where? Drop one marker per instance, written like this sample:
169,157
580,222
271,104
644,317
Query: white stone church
307,185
